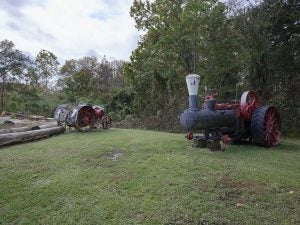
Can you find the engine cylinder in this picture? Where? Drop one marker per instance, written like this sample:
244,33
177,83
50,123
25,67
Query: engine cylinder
208,119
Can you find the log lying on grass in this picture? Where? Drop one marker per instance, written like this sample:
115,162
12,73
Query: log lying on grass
48,125
20,137
23,129
14,130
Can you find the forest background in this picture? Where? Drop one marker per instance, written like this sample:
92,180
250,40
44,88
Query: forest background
234,46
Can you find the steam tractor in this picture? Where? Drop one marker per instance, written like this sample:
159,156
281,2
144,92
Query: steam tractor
221,123
82,117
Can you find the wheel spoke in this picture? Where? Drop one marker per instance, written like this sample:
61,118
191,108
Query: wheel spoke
249,103
272,126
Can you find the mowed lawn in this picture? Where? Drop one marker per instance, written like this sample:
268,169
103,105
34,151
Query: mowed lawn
121,176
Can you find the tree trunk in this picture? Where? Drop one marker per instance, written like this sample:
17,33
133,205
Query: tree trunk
48,125
14,130
20,137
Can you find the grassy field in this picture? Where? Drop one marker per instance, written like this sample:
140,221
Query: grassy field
143,177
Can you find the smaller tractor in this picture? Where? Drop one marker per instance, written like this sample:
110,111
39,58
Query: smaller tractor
221,123
82,117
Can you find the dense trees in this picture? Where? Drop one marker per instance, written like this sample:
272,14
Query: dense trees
90,80
270,35
46,67
12,67
248,44
181,37
26,82
237,45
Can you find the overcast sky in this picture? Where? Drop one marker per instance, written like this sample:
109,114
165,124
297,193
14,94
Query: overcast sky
70,29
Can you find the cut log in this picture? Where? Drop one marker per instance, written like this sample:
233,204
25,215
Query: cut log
20,137
23,129
48,125
14,130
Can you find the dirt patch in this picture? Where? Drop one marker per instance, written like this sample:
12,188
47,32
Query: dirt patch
42,182
185,220
241,186
114,154
232,191
96,161
103,159
141,217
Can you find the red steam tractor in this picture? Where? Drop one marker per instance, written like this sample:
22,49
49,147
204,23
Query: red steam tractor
244,120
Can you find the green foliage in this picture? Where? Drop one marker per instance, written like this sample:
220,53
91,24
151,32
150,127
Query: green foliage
46,67
91,80
121,103
13,116
127,176
182,37
237,45
26,88
243,45
27,100
13,64
270,36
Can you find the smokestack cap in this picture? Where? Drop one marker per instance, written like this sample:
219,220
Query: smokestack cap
192,81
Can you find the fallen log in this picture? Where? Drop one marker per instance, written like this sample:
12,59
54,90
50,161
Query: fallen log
48,125
20,137
23,129
14,130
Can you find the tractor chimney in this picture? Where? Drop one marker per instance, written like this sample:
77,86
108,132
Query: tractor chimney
192,81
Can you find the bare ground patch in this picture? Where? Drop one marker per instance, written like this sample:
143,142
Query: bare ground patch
114,154
233,192
105,159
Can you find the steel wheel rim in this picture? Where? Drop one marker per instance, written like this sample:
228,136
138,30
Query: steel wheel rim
272,127
249,102
85,119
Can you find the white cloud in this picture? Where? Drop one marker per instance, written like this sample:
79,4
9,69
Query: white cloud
69,28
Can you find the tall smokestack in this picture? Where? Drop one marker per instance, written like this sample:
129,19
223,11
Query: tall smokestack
192,81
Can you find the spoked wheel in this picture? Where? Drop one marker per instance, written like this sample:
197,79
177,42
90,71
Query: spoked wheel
249,102
85,119
266,126
98,123
106,122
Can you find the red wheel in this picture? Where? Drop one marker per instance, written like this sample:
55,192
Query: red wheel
249,102
272,127
99,111
189,136
85,119
266,126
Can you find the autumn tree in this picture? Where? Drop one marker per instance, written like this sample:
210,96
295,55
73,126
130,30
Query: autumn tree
90,79
13,63
46,67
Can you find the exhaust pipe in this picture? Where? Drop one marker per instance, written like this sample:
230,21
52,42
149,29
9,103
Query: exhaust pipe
192,81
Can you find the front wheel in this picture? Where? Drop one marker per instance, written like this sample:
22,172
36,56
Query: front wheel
106,122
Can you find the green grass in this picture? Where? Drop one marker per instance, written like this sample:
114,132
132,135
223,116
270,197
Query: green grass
143,177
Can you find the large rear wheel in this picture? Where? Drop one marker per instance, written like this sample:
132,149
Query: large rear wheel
266,126
85,119
249,102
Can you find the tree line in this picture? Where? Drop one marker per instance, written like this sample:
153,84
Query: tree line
38,85
234,46
238,45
